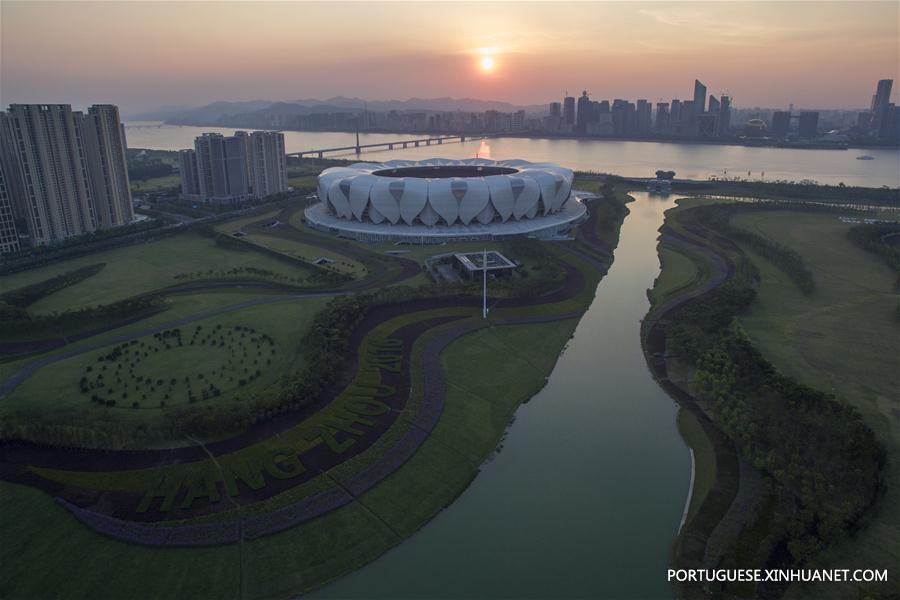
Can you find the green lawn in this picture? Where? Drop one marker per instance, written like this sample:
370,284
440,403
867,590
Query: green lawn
132,270
303,557
256,232
308,253
155,184
303,181
44,550
239,224
845,339
177,306
679,272
56,387
704,459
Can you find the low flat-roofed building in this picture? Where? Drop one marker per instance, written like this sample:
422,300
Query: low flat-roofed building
473,263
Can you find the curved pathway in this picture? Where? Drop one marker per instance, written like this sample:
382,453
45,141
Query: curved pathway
19,376
377,276
343,492
693,542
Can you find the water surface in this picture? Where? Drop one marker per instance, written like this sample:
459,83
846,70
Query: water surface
633,159
588,492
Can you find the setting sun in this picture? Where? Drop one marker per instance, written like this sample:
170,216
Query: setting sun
487,63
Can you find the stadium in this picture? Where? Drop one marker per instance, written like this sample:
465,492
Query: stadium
437,200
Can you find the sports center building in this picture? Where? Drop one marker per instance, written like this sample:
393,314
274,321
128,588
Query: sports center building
437,200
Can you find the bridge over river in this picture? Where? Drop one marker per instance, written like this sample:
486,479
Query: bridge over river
358,148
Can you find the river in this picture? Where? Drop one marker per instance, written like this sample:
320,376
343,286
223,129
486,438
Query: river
587,494
633,159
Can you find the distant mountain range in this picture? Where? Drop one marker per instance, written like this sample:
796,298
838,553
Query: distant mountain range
217,112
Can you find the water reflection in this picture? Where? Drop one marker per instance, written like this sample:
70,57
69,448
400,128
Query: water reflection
638,159
589,490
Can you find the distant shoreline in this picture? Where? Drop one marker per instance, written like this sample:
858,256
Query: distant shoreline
549,136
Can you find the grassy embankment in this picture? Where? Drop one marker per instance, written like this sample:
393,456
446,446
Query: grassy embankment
56,387
141,268
681,271
147,268
831,339
305,556
257,230
41,533
843,339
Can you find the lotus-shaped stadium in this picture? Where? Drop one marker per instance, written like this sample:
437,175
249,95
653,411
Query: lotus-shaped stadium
440,199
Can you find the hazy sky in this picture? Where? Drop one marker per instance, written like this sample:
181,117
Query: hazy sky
142,55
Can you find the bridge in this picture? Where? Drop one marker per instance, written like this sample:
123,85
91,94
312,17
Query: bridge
358,148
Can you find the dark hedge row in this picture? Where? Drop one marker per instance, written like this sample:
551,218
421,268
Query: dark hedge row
718,216
882,239
25,296
102,239
320,275
17,321
324,348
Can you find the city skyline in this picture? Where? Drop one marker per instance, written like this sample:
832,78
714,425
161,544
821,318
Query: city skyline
195,53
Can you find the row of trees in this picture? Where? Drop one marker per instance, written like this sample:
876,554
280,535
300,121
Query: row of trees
803,190
17,321
718,218
101,239
25,296
882,239
324,349
321,275
826,461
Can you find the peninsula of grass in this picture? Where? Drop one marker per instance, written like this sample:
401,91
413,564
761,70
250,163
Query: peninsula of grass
333,544
850,300
41,532
215,363
266,231
842,339
678,272
142,268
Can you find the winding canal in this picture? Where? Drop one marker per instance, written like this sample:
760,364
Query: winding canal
588,491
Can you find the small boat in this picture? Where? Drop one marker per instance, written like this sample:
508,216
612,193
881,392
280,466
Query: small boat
865,157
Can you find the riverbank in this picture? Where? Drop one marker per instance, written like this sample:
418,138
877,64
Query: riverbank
439,466
758,519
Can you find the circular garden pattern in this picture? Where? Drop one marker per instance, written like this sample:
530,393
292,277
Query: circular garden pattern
178,367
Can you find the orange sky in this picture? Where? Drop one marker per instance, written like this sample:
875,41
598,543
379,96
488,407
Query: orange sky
142,55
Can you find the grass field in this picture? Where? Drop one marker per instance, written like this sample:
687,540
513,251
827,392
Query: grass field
56,387
238,224
307,253
41,545
141,268
155,184
255,231
679,272
177,306
704,459
844,339
297,559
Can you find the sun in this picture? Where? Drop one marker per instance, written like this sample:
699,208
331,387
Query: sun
487,63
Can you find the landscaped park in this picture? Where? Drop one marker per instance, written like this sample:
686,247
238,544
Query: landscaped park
191,403
776,325
244,406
